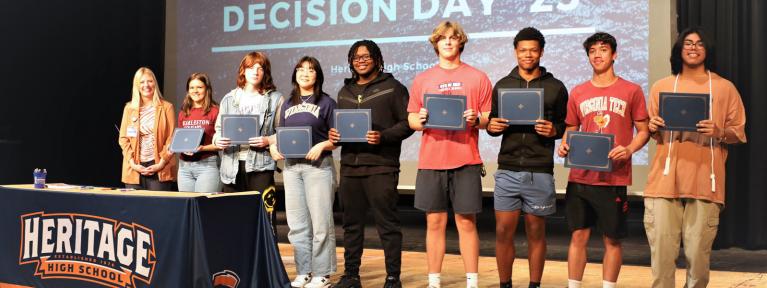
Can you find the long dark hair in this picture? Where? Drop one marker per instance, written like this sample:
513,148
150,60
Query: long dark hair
248,61
295,95
207,102
375,54
676,51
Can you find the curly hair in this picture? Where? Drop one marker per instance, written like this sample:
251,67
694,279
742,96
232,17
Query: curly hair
530,33
375,54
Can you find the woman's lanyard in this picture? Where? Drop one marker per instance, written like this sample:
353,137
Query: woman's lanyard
711,139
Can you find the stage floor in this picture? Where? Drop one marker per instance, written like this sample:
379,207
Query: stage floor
414,271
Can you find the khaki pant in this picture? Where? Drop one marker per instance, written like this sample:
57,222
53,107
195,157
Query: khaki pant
667,221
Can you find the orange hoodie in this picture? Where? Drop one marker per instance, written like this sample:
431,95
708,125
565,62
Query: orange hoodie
164,123
690,162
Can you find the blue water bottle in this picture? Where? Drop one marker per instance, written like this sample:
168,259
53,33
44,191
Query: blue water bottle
39,175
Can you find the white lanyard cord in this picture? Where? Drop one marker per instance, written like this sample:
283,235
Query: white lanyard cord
711,139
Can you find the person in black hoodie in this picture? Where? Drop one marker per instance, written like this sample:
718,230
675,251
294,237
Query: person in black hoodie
525,177
370,171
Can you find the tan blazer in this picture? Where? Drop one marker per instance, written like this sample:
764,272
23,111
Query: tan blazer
165,121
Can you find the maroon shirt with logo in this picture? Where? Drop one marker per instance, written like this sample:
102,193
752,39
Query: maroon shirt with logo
198,119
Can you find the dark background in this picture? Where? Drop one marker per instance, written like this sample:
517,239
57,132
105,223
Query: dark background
67,66
740,35
67,71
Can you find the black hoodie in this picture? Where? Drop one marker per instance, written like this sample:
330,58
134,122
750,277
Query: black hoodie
522,149
387,98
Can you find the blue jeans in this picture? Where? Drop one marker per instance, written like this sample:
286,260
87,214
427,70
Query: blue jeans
309,210
199,176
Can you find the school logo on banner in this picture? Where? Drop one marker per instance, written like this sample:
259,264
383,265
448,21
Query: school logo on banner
87,248
226,279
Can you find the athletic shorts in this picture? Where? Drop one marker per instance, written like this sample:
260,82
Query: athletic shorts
603,206
461,187
531,192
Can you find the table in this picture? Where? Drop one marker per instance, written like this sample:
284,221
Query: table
111,238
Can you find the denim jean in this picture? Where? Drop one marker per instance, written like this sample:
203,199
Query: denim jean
309,210
199,176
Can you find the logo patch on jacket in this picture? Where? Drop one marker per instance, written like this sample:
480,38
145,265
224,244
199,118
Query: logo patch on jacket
226,279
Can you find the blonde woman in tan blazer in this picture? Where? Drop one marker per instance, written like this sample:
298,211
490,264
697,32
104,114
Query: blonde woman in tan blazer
145,134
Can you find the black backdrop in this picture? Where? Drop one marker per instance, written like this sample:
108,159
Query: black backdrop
740,34
66,74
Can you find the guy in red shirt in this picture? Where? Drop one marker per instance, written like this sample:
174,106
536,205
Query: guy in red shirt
449,164
611,105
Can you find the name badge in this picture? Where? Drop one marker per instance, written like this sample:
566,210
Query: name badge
131,132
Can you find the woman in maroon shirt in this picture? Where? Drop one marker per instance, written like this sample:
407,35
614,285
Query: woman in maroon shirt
198,171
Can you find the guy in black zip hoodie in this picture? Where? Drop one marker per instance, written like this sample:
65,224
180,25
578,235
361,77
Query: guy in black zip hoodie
524,181
370,171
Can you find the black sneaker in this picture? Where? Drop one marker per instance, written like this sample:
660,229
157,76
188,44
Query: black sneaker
349,281
506,285
392,282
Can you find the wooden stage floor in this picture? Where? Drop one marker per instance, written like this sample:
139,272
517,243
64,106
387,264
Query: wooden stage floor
414,271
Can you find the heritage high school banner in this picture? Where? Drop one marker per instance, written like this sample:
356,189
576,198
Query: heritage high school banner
136,239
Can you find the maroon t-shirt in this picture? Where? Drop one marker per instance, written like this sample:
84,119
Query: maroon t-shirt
608,110
198,119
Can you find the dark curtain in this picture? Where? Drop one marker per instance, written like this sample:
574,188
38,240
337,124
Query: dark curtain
738,29
66,71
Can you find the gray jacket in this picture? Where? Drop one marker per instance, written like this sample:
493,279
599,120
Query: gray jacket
258,159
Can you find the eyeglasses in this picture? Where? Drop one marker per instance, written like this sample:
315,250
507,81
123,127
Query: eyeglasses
689,45
363,58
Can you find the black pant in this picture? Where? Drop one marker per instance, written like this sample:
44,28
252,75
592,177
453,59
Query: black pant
152,182
377,193
252,181
256,181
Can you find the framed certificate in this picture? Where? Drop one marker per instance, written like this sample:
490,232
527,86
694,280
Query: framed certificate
240,128
683,111
353,124
521,106
589,151
294,142
445,111
186,140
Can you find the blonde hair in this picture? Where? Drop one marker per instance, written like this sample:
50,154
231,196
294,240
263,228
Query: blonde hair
442,29
135,101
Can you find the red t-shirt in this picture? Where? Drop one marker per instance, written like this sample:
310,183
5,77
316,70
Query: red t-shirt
608,110
198,119
443,149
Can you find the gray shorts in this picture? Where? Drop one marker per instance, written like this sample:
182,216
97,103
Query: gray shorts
461,186
532,192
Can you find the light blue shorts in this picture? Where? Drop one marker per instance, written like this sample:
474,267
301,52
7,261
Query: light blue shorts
534,193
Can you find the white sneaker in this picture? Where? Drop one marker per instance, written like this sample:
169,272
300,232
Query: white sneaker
318,282
300,281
